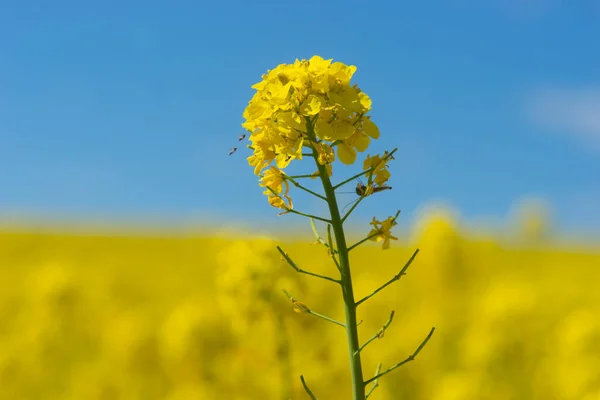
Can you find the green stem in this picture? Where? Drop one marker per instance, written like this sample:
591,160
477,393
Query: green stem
358,386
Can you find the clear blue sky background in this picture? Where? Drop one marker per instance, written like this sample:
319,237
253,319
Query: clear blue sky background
127,109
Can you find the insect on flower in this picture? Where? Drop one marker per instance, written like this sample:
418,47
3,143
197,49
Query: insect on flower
361,189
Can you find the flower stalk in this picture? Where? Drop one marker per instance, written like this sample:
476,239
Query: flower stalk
309,109
358,385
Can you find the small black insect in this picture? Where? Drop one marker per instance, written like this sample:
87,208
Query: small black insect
234,149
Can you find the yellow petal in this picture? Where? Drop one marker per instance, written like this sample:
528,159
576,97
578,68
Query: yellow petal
342,129
346,154
370,128
362,142
365,101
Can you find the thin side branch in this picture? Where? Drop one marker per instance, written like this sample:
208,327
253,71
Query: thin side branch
326,318
307,215
395,278
328,244
294,266
291,210
379,333
409,358
299,186
310,393
351,179
303,308
385,158
356,203
375,384
364,240
332,251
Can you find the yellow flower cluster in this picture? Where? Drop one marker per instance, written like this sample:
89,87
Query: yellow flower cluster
302,104
379,174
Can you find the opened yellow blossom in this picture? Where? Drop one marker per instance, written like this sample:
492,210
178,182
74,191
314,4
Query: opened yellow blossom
379,174
275,183
382,231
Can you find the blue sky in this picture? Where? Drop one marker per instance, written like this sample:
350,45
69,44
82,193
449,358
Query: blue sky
125,110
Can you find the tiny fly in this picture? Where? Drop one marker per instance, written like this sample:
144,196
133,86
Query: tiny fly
361,189
234,149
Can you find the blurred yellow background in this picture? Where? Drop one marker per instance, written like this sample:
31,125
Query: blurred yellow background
98,316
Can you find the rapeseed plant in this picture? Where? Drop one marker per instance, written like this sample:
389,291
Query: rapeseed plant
309,109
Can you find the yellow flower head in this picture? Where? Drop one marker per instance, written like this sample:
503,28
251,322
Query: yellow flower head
382,231
308,100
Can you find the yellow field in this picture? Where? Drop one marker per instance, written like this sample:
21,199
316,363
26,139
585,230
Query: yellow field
182,318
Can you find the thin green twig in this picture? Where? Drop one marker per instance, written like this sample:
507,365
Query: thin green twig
307,215
376,383
356,203
331,249
310,393
291,210
298,269
379,333
395,278
385,158
303,176
320,239
364,240
326,318
299,186
316,233
342,183
409,358
303,308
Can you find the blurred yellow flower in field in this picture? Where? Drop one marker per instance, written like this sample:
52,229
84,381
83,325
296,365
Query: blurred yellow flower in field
162,327
190,339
